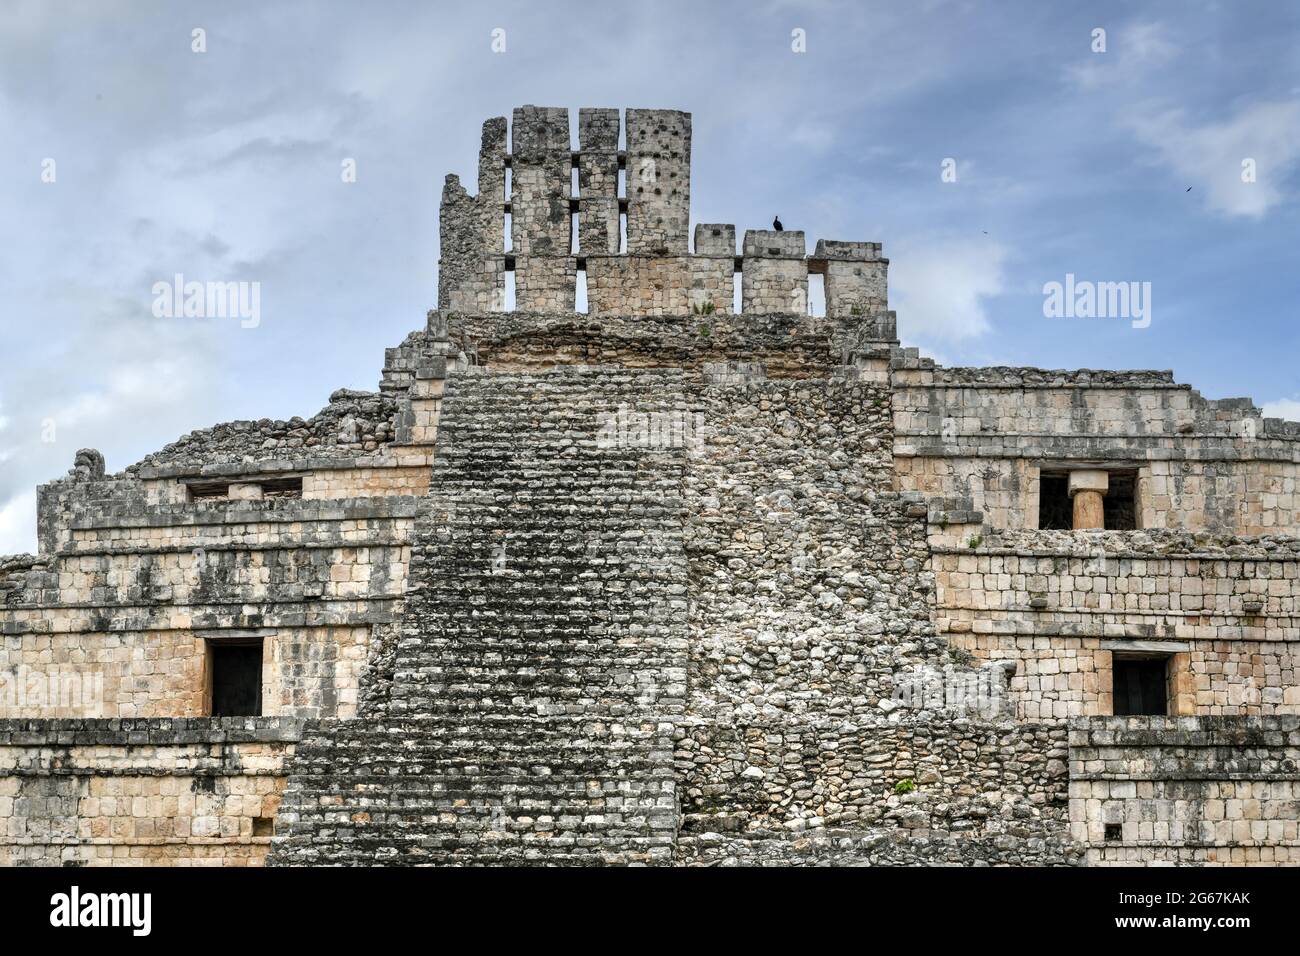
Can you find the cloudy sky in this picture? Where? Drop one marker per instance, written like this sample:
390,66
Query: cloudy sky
1123,165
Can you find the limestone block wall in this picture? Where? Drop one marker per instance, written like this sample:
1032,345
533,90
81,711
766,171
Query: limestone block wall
645,285
545,283
776,272
1249,495
1187,790
540,178
655,274
306,672
1056,603
1060,677
712,285
374,481
471,264
1003,492
658,182
117,623
598,165
140,792
712,269
856,277
541,227
988,433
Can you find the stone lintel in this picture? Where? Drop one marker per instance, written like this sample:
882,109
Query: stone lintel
1147,647
770,244
1089,480
847,251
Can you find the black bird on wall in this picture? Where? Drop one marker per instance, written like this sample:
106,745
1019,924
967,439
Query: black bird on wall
776,224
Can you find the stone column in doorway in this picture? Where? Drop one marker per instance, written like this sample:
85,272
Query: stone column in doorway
1087,489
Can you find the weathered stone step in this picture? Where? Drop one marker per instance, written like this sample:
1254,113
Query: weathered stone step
531,687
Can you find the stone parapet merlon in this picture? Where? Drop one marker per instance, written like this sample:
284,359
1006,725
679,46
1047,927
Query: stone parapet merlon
631,251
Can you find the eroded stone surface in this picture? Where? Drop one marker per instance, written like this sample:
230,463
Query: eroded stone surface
660,583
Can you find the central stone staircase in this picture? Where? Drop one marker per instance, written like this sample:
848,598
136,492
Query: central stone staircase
543,653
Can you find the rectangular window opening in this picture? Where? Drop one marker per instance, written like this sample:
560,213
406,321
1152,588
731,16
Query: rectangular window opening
1055,511
1140,686
510,291
1120,503
235,670
208,490
816,294
281,487
622,233
580,293
1114,832
507,239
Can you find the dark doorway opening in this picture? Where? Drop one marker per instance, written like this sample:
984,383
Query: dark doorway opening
236,678
1055,511
1120,504
1140,686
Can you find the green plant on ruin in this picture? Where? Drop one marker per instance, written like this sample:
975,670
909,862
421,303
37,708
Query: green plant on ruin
906,785
855,310
708,308
974,541
705,331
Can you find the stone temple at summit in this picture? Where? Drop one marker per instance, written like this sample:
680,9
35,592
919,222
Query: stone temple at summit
693,577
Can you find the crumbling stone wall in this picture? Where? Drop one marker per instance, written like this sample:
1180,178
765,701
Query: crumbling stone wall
810,591
1198,791
878,847
785,345
126,607
1059,603
140,792
353,423
656,274
471,263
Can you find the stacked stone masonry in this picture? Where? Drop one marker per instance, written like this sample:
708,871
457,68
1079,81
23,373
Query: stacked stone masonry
662,583
171,792
653,272
542,660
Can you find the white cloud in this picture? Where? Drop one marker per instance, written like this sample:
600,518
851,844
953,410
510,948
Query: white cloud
938,287
121,387
1283,408
1209,157
1131,52
18,524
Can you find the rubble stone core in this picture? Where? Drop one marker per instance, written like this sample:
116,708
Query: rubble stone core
669,581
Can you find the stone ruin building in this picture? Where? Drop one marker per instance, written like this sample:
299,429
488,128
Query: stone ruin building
664,581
